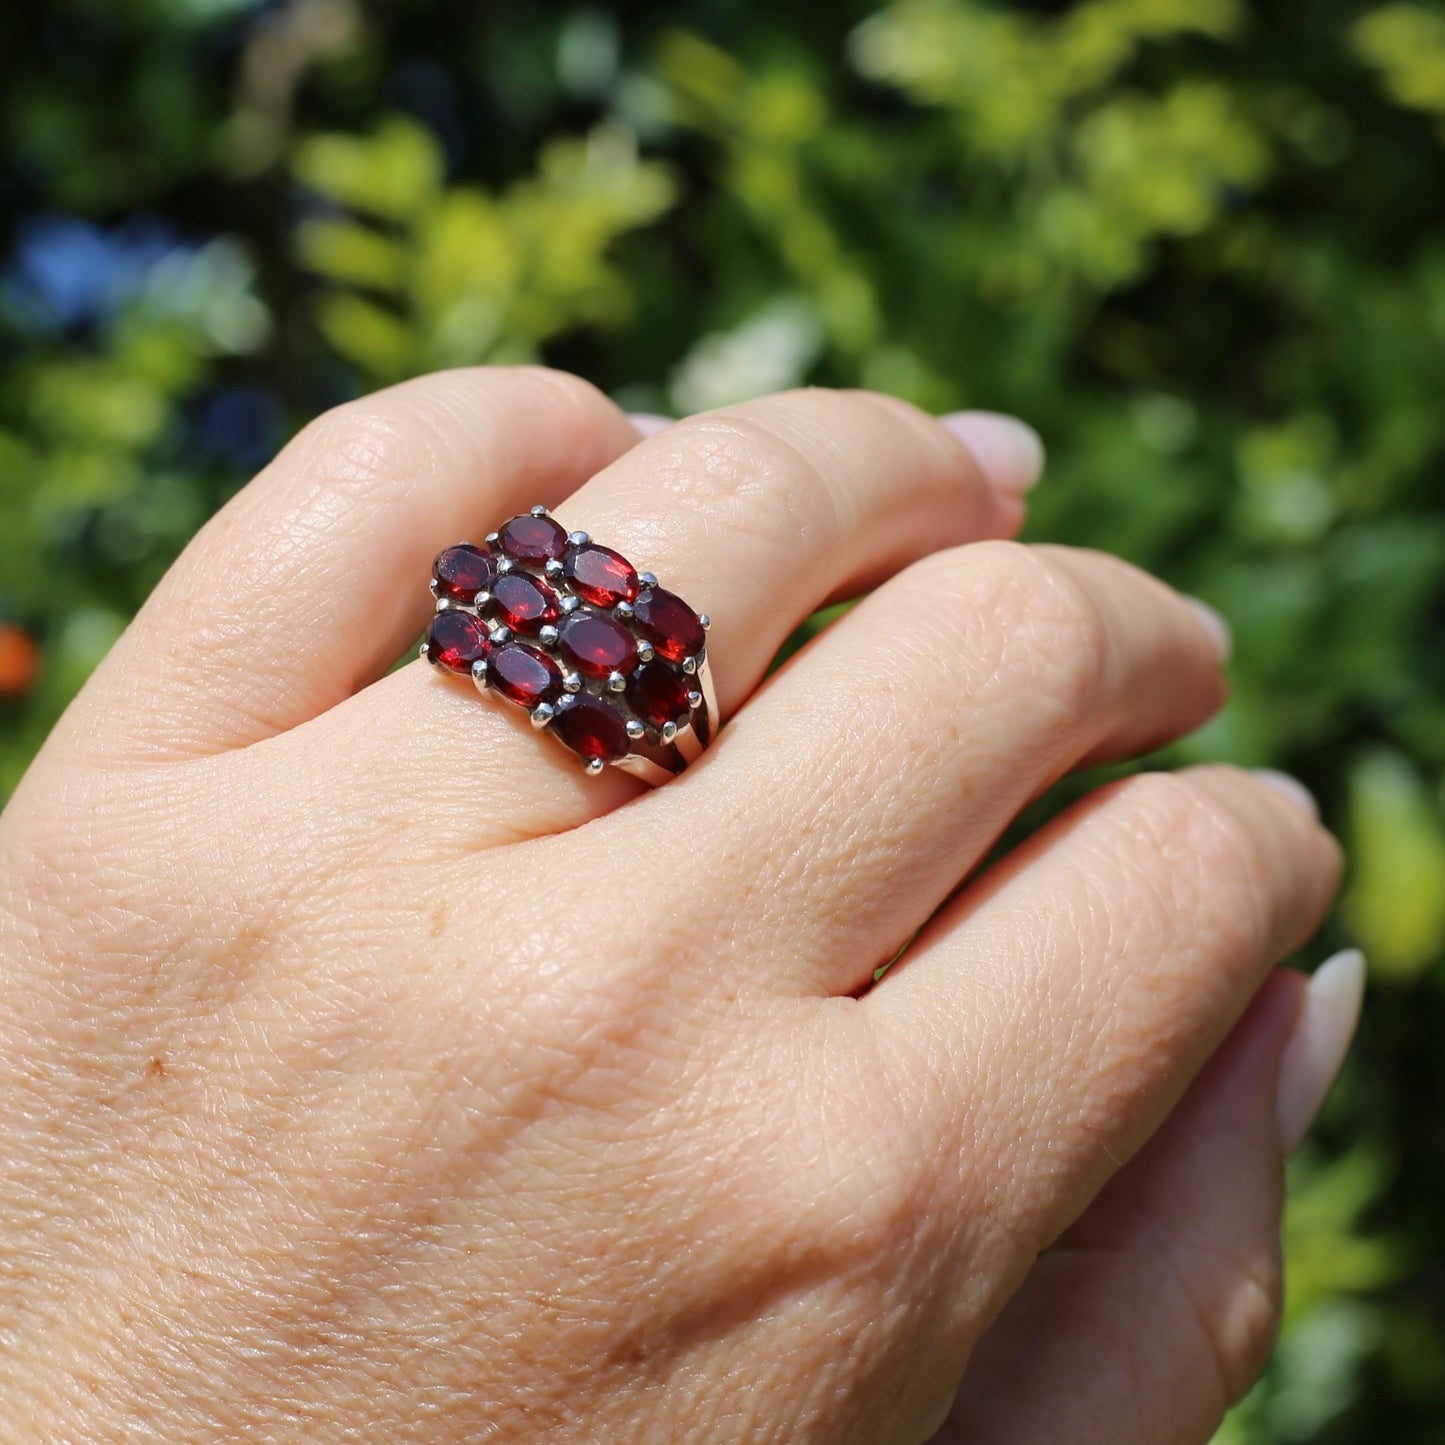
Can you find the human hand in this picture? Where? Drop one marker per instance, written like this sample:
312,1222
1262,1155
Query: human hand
368,1072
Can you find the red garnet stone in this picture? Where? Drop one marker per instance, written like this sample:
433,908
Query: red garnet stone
523,603
596,645
599,575
658,695
463,571
592,728
525,675
533,539
669,624
455,640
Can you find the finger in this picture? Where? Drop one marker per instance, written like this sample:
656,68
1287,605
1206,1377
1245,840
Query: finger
312,580
1157,1309
1069,996
756,515
760,513
852,795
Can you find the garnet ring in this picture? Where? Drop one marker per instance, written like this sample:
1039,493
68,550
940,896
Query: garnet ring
600,656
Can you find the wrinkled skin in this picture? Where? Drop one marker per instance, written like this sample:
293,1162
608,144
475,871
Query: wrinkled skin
367,1072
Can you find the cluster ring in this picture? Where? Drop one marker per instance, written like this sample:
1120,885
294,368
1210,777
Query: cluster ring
614,666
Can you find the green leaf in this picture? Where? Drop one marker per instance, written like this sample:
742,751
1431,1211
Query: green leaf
354,254
370,337
1395,903
390,174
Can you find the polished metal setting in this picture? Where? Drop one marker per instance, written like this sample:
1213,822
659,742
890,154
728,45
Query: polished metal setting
657,753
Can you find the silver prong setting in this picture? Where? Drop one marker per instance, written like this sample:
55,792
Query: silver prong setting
590,711
539,510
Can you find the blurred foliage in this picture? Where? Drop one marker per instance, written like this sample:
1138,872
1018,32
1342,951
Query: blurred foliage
423,276
1198,242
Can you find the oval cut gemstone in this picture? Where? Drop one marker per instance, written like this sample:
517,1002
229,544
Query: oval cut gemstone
596,645
592,728
523,603
658,695
599,575
524,674
533,539
455,640
669,624
463,571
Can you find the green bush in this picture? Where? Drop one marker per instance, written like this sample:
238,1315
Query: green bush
1198,242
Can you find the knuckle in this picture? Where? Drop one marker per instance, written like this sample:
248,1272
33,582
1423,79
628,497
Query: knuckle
1250,1327
396,436
1034,621
564,392
873,1186
817,1177
1189,830
750,475
367,444
1238,1319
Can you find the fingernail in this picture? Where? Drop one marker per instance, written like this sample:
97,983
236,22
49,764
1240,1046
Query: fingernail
1292,788
1318,1044
1219,630
648,423
1009,450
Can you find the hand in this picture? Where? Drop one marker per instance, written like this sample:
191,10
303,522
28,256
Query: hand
368,1072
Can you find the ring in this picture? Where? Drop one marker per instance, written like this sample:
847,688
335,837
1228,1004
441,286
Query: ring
600,655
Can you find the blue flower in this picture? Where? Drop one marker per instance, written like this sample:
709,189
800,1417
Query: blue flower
68,274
